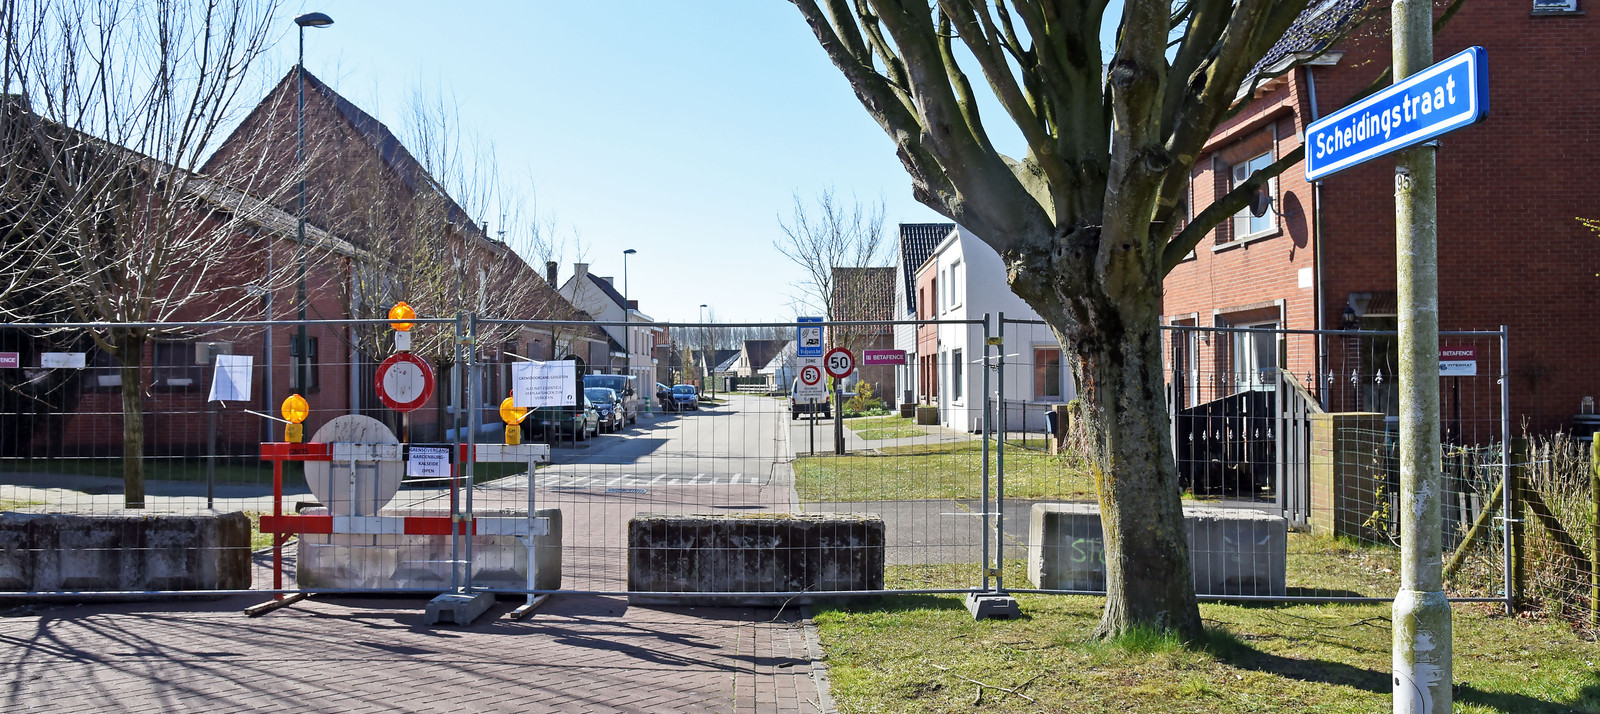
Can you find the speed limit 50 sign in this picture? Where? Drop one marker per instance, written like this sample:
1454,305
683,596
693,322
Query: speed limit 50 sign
839,363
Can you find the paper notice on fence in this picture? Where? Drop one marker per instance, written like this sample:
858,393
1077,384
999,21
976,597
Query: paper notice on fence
544,384
230,381
427,462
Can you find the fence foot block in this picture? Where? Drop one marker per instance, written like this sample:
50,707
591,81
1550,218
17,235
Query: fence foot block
458,608
984,606
527,608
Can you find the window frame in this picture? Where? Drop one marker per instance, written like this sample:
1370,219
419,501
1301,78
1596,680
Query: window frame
958,393
1061,373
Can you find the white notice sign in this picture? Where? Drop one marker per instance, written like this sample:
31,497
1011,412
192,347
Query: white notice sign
544,384
230,380
62,360
428,462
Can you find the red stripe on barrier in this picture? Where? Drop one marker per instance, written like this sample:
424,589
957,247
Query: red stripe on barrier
285,451
297,524
434,525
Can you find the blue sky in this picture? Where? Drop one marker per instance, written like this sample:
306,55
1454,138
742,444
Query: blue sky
679,129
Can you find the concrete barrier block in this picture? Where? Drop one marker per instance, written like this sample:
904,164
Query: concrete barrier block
124,551
751,554
1233,551
422,562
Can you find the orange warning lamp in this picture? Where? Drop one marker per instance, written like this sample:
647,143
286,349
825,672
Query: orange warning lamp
512,415
295,410
402,312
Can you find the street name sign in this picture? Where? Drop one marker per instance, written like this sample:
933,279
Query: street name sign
1447,96
808,341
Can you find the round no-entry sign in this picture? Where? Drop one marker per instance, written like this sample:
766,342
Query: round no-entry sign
810,375
839,363
405,381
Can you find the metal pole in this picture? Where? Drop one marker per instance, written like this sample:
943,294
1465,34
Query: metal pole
299,366
463,457
471,349
1505,469
1422,639
987,434
1000,456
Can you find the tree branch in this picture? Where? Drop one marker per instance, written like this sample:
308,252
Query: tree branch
1232,202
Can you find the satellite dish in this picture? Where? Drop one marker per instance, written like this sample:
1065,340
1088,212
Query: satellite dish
1261,202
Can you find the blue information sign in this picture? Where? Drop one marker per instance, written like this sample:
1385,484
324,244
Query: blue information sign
1447,96
808,341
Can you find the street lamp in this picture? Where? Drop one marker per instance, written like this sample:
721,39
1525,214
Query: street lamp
627,330
302,366
705,373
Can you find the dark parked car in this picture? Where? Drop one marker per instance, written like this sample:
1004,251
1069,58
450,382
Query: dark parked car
567,422
609,405
686,397
624,386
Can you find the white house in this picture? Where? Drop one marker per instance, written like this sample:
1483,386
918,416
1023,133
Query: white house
633,348
968,281
915,245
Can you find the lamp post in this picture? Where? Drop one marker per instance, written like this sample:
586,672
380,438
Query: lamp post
302,365
627,314
705,375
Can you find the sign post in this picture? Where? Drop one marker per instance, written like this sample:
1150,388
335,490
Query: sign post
809,390
839,364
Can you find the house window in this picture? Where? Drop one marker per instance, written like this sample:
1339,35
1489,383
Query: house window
304,376
954,283
957,390
1255,357
174,366
1246,225
103,373
1047,373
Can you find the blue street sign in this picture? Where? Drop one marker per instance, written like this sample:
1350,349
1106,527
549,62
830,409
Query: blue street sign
808,340
1447,96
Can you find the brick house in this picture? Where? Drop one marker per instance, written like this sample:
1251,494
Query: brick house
1322,256
364,185
864,294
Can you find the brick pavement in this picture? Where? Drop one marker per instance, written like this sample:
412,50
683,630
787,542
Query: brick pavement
575,654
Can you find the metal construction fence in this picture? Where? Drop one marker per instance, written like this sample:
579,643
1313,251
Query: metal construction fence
954,466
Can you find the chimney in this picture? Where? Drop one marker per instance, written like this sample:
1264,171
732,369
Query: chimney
633,304
610,280
579,272
550,271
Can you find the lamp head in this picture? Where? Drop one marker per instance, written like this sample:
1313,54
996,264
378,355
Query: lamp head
313,19
629,251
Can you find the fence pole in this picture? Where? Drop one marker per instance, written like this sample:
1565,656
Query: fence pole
1507,497
462,457
1000,456
1594,530
987,433
471,404
1517,544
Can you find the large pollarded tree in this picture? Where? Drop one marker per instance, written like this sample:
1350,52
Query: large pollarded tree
1085,220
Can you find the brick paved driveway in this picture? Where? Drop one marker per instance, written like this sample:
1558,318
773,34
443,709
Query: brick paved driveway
575,654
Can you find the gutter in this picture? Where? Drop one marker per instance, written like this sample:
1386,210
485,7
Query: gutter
1316,242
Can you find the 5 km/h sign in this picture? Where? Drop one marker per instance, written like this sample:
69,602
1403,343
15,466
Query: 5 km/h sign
839,363
810,387
1447,96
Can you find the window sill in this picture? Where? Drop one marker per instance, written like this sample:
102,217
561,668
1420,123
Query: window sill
1247,240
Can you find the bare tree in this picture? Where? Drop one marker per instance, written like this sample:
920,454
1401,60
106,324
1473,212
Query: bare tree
1086,220
829,235
110,108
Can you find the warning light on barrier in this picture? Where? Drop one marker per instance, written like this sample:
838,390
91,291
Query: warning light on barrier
404,314
512,415
295,410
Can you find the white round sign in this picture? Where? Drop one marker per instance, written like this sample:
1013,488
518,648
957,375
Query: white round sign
375,483
404,382
810,375
839,363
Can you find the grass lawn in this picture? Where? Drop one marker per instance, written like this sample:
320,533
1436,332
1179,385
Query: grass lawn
885,427
937,471
917,653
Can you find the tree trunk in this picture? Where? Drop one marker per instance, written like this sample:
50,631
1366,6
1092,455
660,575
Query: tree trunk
130,355
1148,573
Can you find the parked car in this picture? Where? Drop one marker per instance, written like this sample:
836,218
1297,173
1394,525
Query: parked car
686,397
609,404
664,398
567,422
798,407
625,387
